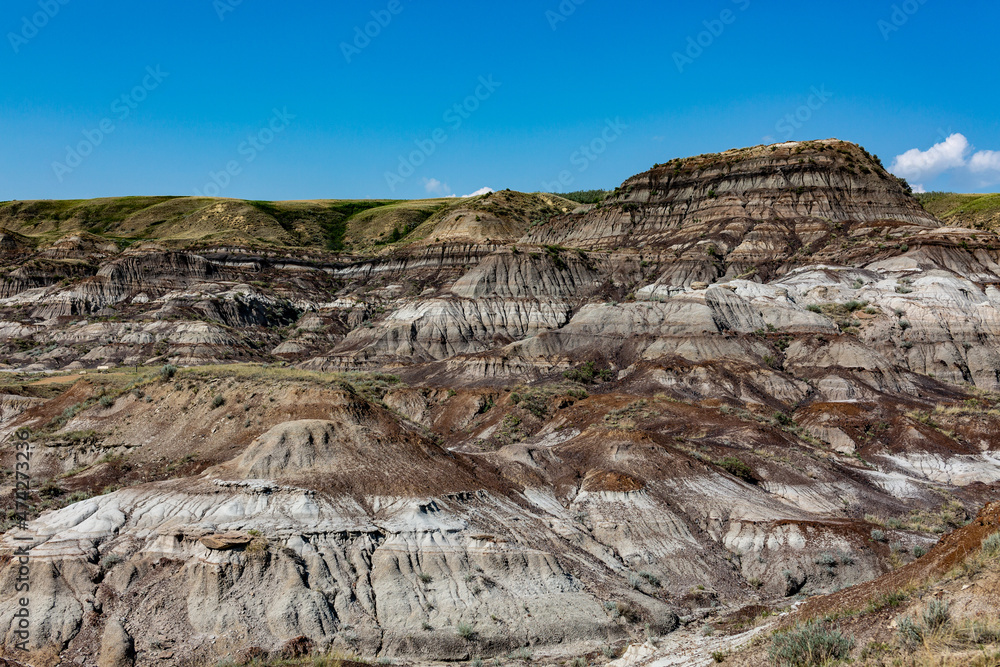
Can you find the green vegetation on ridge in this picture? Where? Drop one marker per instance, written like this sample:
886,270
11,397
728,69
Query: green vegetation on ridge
332,219
186,222
356,226
585,196
977,211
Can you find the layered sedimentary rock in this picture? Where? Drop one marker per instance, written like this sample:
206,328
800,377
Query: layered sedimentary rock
523,425
755,203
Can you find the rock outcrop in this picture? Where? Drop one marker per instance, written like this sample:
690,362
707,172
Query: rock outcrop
512,423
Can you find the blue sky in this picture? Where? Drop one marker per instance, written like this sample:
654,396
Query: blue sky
269,100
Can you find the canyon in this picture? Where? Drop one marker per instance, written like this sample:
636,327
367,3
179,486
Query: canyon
509,425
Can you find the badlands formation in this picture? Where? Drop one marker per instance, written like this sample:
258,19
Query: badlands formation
503,426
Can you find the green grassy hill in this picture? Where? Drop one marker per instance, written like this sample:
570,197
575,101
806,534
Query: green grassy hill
187,222
975,211
192,222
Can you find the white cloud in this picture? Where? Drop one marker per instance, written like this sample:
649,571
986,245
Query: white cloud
919,165
955,155
436,187
919,189
985,161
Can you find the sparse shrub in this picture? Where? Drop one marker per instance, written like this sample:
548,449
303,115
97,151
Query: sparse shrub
106,401
425,578
466,631
909,633
609,651
782,419
878,535
991,546
738,468
258,547
625,418
814,308
218,401
919,552
588,374
892,599
846,558
579,662
50,490
708,631
168,372
826,559
628,611
936,615
904,324
812,643
426,626
536,404
110,561
524,654
634,581
651,578
476,662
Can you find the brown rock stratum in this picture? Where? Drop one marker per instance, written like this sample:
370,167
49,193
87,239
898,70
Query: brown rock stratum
523,425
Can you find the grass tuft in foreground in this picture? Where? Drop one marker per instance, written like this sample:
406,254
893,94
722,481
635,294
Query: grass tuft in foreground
812,643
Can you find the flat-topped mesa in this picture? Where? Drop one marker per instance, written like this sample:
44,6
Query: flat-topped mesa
756,204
